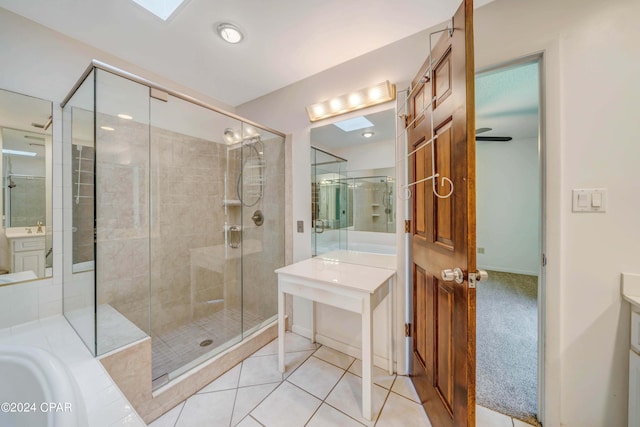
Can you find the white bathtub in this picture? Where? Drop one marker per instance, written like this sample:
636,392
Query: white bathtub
37,390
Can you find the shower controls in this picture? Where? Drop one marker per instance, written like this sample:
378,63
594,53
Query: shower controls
258,218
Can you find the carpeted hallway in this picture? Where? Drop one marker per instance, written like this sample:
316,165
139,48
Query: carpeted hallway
507,344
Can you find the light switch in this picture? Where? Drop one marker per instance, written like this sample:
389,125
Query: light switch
583,200
596,199
589,200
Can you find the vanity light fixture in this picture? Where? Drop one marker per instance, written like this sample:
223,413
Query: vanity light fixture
19,152
124,116
368,134
356,100
230,33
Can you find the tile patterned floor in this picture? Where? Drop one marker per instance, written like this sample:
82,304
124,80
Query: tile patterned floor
182,345
321,387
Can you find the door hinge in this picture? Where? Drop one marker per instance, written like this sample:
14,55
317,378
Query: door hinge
407,226
544,260
407,329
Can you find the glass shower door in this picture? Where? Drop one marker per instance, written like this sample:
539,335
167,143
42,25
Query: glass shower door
196,232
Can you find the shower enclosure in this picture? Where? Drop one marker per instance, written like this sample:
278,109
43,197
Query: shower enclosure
174,221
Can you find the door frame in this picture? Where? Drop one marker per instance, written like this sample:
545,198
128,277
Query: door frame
538,57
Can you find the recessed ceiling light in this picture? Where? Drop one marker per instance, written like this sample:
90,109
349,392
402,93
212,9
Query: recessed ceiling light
230,33
367,134
125,116
107,128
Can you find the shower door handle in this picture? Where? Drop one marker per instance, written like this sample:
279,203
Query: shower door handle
234,236
321,221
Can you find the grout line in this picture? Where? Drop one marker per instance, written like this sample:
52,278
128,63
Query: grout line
235,397
386,398
249,415
184,403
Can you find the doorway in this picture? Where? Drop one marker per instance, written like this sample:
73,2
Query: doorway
509,177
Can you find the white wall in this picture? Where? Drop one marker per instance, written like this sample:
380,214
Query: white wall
591,64
375,155
508,205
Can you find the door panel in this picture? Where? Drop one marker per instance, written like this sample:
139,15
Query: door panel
444,350
443,212
443,236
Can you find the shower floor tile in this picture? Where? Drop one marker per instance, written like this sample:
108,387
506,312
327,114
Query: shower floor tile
177,348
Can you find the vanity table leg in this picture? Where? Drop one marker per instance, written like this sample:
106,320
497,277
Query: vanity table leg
281,329
313,321
367,358
390,326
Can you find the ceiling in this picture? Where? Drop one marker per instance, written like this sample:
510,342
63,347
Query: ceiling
285,40
507,101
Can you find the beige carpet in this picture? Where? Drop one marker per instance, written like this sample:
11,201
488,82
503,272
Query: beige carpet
507,344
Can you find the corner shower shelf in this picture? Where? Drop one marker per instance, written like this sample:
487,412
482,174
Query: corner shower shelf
375,214
231,202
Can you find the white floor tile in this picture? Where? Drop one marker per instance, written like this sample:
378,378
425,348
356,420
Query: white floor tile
404,387
518,423
488,418
248,421
248,398
380,376
399,411
169,419
347,397
334,357
316,376
264,369
286,406
228,380
208,409
131,420
329,416
292,343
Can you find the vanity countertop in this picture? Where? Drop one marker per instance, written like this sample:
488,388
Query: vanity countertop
22,232
631,289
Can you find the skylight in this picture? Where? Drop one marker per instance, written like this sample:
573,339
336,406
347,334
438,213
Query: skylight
163,9
354,124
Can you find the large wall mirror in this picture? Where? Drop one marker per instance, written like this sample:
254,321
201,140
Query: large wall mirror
26,140
353,188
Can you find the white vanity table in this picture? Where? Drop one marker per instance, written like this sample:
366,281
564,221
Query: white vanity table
631,293
27,245
354,281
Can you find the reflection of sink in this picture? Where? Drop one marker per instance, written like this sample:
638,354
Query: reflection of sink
20,232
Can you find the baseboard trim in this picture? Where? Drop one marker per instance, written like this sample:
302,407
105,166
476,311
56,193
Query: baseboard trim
379,361
508,270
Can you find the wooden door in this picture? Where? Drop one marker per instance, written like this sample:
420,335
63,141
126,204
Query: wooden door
443,228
